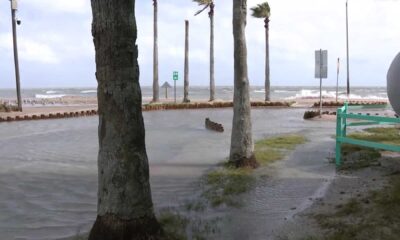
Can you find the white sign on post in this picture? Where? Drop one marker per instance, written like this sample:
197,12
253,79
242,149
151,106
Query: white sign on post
321,64
14,4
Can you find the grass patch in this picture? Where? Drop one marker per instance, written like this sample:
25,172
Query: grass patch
379,219
287,142
273,149
223,185
357,157
179,227
388,135
173,224
351,207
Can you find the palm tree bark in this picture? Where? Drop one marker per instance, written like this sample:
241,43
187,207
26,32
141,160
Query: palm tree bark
267,71
125,208
186,74
242,147
156,87
212,80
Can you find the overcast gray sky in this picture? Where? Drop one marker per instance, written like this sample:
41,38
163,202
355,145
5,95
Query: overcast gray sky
56,48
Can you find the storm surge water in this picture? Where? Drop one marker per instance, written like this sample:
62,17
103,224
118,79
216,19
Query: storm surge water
48,174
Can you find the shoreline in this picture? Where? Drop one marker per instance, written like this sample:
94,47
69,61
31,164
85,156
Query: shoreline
67,107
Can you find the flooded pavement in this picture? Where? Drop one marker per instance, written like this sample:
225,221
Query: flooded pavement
48,173
289,187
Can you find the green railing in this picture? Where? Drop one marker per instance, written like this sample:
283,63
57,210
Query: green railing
341,128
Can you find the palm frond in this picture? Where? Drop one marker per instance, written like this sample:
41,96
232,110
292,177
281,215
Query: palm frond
261,10
203,2
200,11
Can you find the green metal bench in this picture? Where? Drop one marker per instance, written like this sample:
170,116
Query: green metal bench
342,124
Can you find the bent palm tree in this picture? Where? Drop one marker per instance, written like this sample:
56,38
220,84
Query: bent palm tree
242,147
125,207
156,88
263,11
209,4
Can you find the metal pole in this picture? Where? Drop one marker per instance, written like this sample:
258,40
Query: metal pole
347,46
17,77
175,90
320,82
337,79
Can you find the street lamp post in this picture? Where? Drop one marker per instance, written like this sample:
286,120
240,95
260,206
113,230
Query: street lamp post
14,7
337,79
347,47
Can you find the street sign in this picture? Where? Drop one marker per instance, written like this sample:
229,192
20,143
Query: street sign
14,4
321,64
175,76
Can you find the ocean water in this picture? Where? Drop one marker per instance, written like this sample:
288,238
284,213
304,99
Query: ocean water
202,93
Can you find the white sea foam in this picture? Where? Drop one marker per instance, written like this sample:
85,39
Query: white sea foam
49,96
89,91
51,92
307,93
259,91
282,91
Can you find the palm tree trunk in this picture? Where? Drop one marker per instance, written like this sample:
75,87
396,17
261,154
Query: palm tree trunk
267,79
242,148
212,80
156,88
125,207
186,77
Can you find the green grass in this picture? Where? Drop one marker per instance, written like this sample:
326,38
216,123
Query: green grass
173,224
351,207
273,149
357,157
180,227
225,183
379,219
287,142
388,135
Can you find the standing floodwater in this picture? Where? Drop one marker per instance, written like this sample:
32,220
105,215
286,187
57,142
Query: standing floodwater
48,173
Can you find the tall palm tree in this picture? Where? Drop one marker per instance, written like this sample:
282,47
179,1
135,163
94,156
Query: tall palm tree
264,11
125,207
209,4
242,147
186,70
156,87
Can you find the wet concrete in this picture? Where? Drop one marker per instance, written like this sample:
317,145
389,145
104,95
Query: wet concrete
289,187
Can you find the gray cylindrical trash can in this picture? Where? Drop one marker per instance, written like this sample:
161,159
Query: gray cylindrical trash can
393,84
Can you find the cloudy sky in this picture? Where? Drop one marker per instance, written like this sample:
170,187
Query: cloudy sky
56,48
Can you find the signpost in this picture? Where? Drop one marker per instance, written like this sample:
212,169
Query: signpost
166,86
175,77
321,71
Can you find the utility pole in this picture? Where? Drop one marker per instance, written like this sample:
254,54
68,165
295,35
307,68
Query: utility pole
14,7
337,79
347,46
